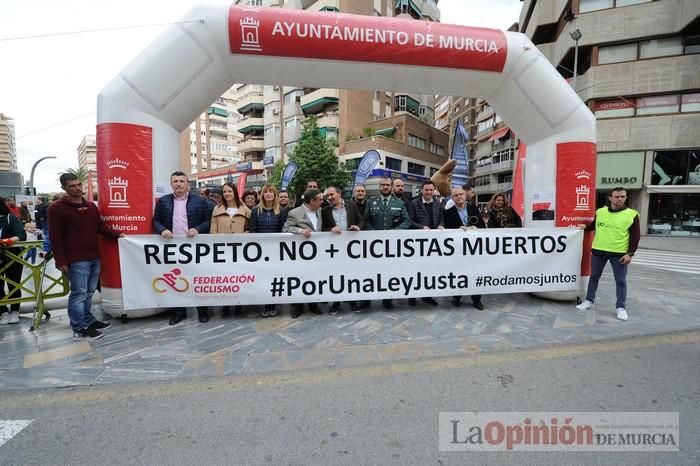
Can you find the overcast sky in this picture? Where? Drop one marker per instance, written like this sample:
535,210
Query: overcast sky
49,84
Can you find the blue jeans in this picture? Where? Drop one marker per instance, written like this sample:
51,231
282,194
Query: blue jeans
83,277
598,261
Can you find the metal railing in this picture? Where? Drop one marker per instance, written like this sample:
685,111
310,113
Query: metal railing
42,286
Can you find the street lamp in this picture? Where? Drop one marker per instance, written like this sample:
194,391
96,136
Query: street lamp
575,35
31,176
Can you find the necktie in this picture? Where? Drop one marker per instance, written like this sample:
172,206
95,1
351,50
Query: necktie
386,202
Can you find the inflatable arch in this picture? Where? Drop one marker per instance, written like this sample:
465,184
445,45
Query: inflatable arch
142,111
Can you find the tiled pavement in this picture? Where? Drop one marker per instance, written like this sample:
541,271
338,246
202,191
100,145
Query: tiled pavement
150,350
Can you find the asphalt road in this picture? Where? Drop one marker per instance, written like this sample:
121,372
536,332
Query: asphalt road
370,415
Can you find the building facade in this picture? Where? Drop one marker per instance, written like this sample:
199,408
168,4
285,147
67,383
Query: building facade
8,145
272,116
87,159
639,72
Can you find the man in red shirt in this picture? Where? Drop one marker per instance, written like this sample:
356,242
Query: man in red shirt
74,224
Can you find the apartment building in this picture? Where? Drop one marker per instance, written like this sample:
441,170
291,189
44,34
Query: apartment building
8,145
638,70
272,116
211,141
87,158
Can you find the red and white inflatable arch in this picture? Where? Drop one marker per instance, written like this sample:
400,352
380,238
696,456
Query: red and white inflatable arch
142,111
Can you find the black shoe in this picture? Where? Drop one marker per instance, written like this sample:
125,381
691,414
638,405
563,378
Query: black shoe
412,302
177,318
203,316
333,310
387,304
354,307
430,301
88,334
456,301
297,309
100,325
313,307
365,304
478,305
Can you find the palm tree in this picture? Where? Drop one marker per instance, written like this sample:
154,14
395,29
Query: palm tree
80,172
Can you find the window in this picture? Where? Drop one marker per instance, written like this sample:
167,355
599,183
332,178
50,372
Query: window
331,133
670,167
433,171
291,123
660,47
586,6
393,164
437,149
674,214
417,142
617,53
289,147
657,104
692,45
416,169
272,129
272,152
482,181
690,103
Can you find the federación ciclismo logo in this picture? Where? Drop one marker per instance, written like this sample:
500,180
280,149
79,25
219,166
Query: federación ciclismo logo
171,280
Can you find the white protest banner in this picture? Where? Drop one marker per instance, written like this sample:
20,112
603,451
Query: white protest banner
285,268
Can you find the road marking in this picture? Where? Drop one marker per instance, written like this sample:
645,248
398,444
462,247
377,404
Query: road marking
82,395
670,261
10,428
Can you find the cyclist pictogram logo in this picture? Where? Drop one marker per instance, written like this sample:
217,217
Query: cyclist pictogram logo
171,280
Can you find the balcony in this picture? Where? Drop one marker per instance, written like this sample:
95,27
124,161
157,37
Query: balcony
316,101
329,120
252,144
248,125
250,101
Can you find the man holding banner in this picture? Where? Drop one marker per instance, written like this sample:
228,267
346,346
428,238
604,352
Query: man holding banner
182,213
386,212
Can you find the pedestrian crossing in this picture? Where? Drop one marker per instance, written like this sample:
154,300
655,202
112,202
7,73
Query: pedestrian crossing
667,260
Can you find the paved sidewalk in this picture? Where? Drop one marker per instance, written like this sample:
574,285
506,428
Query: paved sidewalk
149,349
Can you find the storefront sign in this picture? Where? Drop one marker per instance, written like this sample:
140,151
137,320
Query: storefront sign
625,169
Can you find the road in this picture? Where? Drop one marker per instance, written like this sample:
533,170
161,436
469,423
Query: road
385,414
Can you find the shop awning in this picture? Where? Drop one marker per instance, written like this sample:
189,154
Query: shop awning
385,131
499,134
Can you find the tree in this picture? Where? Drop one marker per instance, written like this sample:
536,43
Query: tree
275,178
316,160
80,172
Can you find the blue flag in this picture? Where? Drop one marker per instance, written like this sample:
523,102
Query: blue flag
366,165
288,174
229,177
460,175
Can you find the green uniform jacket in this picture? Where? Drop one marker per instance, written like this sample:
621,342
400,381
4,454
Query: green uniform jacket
394,217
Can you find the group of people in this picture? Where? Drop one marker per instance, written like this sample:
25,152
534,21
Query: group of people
74,224
214,212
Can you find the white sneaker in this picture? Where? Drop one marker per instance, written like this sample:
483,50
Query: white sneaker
585,305
621,313
14,318
4,318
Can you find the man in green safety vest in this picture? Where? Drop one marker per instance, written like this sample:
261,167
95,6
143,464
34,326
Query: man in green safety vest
616,239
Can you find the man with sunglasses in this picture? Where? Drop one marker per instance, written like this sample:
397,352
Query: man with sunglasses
464,214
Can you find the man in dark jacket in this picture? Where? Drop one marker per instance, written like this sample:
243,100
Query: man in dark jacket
341,215
426,214
465,215
182,213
